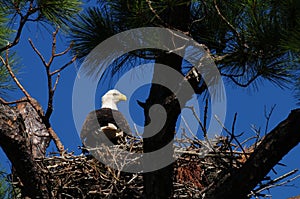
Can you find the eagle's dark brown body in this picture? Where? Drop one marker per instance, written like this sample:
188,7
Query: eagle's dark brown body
92,135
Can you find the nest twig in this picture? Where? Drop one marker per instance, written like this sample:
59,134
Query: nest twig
83,176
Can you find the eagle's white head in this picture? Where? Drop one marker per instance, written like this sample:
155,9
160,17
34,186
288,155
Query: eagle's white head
111,98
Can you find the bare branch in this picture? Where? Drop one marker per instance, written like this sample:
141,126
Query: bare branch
15,79
46,121
37,52
156,15
56,140
3,101
197,118
31,10
227,22
272,183
268,116
284,136
252,79
50,94
47,65
205,115
64,66
64,52
233,123
56,82
54,34
232,135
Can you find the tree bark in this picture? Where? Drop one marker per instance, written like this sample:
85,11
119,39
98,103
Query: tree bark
159,184
273,147
38,135
15,143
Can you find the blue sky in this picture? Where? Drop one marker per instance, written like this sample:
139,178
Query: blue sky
248,104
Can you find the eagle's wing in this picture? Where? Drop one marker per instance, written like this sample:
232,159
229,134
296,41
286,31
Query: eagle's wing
89,130
110,123
121,122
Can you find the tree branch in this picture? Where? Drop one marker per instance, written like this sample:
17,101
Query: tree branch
40,112
64,66
54,34
3,101
38,52
156,15
31,10
14,142
268,116
64,52
273,183
51,87
227,22
47,65
273,147
15,79
244,85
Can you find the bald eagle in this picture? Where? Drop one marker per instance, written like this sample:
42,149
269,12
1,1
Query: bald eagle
107,121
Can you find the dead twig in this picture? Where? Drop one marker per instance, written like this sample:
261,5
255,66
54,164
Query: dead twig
227,22
274,183
268,116
52,87
45,117
15,79
3,101
64,66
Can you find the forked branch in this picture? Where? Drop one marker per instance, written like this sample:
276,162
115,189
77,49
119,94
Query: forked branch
23,19
49,73
45,118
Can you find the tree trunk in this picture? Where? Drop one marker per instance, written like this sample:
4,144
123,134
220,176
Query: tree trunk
16,144
159,184
273,147
38,135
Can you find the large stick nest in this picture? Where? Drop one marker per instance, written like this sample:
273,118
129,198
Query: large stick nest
83,176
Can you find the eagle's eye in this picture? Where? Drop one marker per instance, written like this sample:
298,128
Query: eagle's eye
115,94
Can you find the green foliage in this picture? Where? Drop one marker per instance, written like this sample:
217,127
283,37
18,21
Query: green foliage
90,28
252,40
6,82
13,17
5,187
58,12
292,41
297,83
55,12
249,34
133,15
95,25
291,35
4,30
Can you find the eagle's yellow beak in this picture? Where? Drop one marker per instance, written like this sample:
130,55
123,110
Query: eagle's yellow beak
122,97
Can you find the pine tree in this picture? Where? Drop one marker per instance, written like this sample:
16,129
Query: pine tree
250,41
247,39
